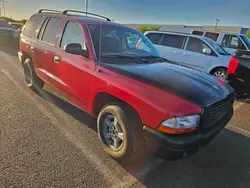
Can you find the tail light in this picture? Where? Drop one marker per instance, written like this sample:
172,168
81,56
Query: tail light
233,65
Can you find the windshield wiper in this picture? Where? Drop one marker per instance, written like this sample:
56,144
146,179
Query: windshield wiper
154,58
119,56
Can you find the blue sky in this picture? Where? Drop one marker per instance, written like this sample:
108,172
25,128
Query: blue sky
188,12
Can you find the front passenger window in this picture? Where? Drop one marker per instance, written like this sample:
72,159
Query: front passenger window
196,45
73,34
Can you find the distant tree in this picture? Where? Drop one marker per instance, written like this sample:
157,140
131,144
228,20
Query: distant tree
248,34
144,28
23,21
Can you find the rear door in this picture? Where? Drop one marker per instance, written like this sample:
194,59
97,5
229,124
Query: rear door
47,41
75,71
193,55
172,46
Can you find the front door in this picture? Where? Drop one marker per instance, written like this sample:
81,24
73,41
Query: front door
193,55
232,43
75,71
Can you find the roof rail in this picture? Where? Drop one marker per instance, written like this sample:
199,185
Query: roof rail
87,13
48,10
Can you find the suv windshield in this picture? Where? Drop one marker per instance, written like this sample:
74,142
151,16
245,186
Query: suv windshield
246,40
215,46
120,41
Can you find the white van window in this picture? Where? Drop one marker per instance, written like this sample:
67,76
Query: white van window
174,41
199,33
196,45
213,36
154,37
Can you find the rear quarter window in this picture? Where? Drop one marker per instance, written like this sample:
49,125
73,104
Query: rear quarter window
174,41
154,37
33,26
213,36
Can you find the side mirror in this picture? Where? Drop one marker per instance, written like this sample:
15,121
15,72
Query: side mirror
207,51
75,48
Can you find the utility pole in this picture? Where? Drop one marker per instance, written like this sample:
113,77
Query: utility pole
3,1
217,21
86,6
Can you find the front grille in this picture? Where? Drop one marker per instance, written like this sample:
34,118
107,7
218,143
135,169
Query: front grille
217,111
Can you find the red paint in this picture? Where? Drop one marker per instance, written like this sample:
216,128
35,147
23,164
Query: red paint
233,65
78,79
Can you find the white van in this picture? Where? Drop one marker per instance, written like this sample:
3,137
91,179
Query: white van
231,42
196,52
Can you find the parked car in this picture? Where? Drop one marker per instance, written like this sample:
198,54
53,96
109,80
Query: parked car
239,73
138,97
231,42
8,35
196,52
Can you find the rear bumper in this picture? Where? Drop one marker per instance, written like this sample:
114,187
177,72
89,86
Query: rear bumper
173,147
241,86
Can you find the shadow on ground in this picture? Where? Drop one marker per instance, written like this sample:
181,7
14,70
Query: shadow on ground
223,163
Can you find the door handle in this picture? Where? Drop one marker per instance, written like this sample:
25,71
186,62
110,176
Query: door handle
56,59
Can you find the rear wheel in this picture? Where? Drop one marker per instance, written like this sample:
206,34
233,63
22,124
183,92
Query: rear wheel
32,80
220,73
120,131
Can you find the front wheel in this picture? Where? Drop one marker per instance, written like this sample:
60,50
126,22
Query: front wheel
220,73
120,132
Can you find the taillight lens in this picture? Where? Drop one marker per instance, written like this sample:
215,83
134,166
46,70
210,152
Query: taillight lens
233,65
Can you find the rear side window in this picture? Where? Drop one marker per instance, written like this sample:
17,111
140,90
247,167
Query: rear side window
51,31
174,41
196,45
154,37
73,34
213,36
33,26
199,33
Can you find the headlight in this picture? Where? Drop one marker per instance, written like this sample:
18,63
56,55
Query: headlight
178,125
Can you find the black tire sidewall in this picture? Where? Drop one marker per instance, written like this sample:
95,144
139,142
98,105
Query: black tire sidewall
28,65
124,154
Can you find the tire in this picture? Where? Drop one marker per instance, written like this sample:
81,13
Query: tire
220,73
128,122
32,80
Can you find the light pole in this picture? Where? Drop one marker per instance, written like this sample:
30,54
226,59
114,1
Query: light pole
86,6
3,1
217,21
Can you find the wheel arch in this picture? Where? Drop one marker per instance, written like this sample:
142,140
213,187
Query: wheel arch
104,98
216,68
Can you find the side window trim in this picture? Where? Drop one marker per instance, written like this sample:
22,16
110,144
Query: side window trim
161,39
186,43
42,29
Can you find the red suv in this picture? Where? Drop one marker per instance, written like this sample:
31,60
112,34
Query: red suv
114,72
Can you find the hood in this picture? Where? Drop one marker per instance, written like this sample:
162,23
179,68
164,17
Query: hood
194,86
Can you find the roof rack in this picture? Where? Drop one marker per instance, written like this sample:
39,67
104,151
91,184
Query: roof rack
48,10
87,13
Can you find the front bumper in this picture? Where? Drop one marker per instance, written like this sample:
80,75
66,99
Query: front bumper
173,147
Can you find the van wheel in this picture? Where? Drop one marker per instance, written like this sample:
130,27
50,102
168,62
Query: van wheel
32,80
120,131
220,73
